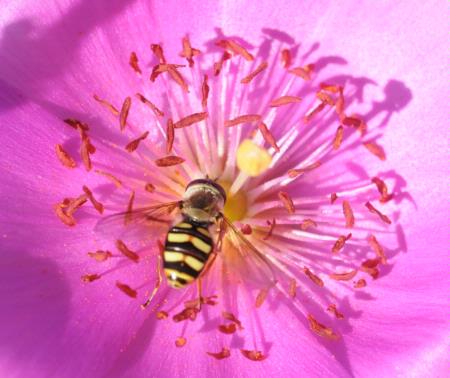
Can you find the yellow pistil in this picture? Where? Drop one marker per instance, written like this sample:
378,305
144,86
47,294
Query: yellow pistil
252,159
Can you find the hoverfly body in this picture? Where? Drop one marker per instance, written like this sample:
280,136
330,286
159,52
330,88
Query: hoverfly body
190,248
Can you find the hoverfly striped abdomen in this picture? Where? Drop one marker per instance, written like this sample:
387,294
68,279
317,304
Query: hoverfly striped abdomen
187,249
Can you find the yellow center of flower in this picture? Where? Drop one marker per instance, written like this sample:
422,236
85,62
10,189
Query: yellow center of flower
236,205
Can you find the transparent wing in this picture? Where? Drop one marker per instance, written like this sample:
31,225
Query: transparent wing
243,258
140,224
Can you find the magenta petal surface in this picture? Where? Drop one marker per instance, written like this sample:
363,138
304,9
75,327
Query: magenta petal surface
52,58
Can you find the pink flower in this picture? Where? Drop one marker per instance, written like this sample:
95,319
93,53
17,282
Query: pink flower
284,307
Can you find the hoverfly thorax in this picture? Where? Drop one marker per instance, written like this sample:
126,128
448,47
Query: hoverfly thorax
203,200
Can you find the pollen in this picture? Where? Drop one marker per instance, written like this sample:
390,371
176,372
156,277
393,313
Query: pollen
235,208
252,159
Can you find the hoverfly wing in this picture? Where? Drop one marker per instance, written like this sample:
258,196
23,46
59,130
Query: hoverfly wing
138,225
252,266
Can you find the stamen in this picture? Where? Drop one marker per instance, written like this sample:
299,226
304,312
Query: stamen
343,276
254,355
325,98
134,144
303,72
190,120
170,131
107,105
378,249
161,315
352,122
124,113
224,353
360,283
284,100
348,213
158,51
383,217
218,65
330,87
85,156
376,150
321,330
235,48
111,177
370,267
246,229
100,255
287,202
149,187
177,77
256,72
90,277
261,297
74,123
227,328
268,137
153,107
169,161
340,243
333,197
229,316
68,220
98,206
340,104
271,228
307,223
64,157
286,58
187,313
292,288
134,62
337,141
129,212
242,119
313,112
333,309
126,289
316,279
180,342
128,253
293,173
188,51
382,189
205,91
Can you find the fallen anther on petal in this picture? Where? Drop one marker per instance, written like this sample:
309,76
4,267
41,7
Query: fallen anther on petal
64,157
161,315
376,150
224,353
190,120
205,91
188,51
243,119
124,113
149,188
134,62
316,279
370,267
360,283
382,189
227,328
378,249
254,355
340,242
153,107
100,255
218,65
293,173
235,48
268,137
307,223
75,124
229,316
134,144
187,313
129,211
126,289
287,202
383,217
110,177
286,58
303,72
321,330
261,297
98,206
333,309
107,105
338,138
128,253
333,198
348,213
180,342
292,288
169,161
313,112
246,229
271,225
158,51
284,100
256,72
90,277
347,276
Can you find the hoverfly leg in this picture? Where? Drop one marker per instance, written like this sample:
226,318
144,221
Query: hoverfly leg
157,285
199,291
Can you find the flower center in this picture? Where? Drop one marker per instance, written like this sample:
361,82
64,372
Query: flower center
235,208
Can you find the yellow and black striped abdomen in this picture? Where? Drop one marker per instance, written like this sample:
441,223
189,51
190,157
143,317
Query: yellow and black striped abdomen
187,249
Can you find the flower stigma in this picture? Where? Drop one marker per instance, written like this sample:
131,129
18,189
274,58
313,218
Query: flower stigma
272,130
